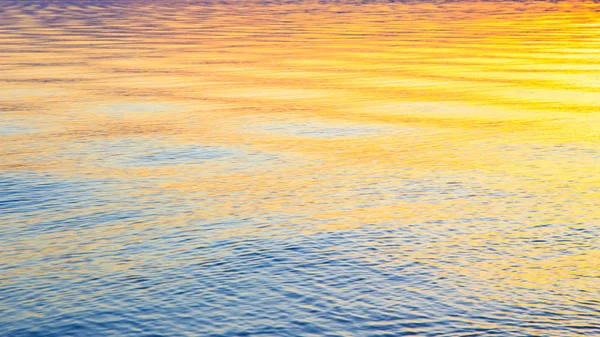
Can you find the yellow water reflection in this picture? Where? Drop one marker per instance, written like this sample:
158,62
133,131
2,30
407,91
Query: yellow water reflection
478,120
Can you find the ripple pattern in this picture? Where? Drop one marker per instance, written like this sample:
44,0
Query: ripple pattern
299,168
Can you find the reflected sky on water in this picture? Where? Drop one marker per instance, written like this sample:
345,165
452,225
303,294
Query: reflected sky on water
299,168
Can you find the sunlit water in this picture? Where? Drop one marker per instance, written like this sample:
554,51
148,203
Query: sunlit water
299,168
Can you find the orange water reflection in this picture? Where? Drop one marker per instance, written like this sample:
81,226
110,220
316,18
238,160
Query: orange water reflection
494,106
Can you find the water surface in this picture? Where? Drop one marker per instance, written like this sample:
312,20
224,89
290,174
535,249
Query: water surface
299,168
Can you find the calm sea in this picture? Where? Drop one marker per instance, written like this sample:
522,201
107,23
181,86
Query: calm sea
299,168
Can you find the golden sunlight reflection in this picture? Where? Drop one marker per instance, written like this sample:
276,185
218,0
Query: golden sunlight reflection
473,128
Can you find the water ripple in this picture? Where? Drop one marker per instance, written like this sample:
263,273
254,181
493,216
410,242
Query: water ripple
299,168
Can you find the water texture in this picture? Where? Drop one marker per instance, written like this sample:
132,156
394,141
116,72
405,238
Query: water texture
299,168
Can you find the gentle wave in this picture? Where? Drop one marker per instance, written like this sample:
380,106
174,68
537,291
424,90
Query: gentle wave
299,168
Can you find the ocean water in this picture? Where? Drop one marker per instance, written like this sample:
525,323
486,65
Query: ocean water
299,168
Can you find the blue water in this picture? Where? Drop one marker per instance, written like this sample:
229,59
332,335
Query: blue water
103,262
